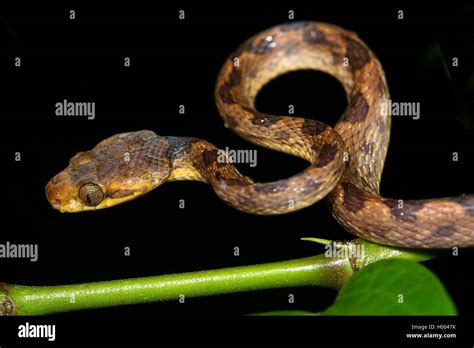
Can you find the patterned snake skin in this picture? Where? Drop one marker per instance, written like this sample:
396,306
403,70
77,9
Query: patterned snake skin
346,162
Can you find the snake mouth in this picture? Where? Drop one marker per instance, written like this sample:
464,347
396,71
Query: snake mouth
55,203
57,191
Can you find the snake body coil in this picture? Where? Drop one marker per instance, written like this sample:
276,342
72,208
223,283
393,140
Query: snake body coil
346,162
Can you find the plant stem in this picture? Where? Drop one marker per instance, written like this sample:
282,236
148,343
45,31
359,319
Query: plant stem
318,270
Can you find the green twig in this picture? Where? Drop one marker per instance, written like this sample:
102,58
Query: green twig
326,270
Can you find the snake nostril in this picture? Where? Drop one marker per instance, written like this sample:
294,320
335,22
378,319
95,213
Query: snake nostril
56,202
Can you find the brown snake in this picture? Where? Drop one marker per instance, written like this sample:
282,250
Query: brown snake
345,162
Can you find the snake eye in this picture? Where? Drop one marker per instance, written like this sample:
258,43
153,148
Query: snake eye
91,194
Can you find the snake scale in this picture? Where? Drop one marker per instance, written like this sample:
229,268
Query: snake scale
346,161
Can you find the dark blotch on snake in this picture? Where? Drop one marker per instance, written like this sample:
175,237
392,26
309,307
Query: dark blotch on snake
272,187
466,202
312,128
310,186
177,146
260,119
407,213
353,197
225,95
236,182
233,81
443,232
327,154
235,77
209,156
357,110
313,35
358,55
337,59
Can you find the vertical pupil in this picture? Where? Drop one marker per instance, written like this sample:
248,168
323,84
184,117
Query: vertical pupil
90,194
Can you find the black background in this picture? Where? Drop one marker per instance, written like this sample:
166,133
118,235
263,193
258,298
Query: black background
176,62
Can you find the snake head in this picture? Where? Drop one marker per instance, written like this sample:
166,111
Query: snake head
116,170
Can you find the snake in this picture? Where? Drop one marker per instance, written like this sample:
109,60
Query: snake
345,161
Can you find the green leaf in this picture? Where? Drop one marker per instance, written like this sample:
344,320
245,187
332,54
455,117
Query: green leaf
393,287
317,240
